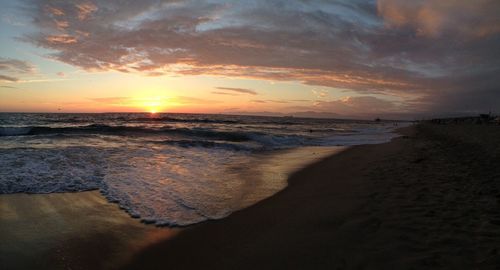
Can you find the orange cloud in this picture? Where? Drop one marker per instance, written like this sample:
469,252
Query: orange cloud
55,11
62,39
320,93
238,90
85,9
61,24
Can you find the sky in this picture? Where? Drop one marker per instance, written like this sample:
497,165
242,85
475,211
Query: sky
338,58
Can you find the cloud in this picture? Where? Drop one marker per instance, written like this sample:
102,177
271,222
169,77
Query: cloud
320,93
85,10
6,78
192,38
358,105
238,90
61,39
54,11
427,52
435,17
8,86
14,65
258,101
223,93
13,69
61,74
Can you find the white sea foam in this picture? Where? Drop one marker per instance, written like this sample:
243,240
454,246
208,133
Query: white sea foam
49,170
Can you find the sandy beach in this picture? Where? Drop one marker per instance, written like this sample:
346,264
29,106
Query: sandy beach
427,200
70,231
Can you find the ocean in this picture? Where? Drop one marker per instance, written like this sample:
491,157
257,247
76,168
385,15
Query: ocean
165,168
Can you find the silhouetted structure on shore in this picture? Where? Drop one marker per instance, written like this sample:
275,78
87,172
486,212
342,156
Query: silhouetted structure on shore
480,120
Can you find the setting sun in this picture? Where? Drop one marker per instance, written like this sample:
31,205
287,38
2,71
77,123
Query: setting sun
152,104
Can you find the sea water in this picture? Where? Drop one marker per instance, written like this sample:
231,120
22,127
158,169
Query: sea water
169,169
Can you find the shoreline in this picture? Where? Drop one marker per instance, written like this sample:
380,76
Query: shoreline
425,200
79,230
73,229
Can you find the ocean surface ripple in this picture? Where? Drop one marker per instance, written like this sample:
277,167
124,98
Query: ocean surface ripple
167,169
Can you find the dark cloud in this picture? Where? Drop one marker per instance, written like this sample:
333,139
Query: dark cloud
468,19
362,107
259,101
367,105
14,65
6,78
432,54
238,90
13,68
223,93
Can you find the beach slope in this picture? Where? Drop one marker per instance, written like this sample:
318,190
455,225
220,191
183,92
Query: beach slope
428,199
69,231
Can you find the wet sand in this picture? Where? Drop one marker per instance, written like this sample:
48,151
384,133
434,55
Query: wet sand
84,231
70,231
428,200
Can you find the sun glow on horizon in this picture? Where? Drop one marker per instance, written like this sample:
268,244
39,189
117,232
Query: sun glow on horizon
152,105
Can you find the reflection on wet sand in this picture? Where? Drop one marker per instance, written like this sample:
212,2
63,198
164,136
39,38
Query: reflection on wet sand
70,231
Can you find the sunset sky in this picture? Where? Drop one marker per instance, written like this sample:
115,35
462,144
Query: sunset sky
346,58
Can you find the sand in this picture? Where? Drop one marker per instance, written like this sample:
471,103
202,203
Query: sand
83,230
427,200
70,231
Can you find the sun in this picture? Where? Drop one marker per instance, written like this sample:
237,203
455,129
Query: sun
153,105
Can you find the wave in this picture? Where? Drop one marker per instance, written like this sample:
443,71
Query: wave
183,137
41,130
14,131
234,136
207,144
170,119
183,120
259,121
